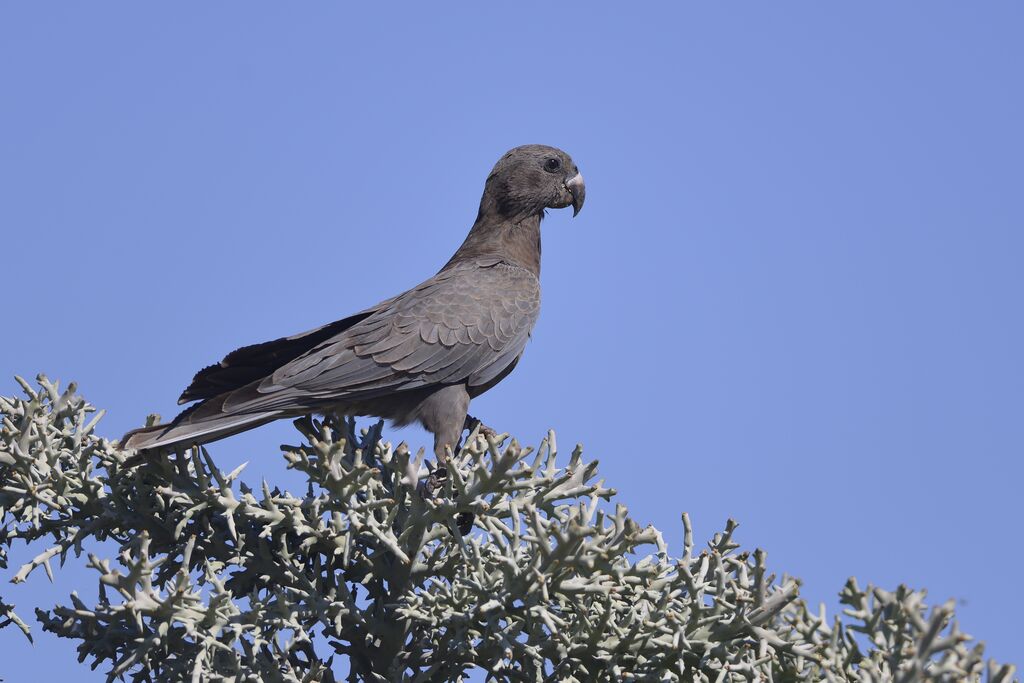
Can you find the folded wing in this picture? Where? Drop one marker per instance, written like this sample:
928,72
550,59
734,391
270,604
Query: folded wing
465,325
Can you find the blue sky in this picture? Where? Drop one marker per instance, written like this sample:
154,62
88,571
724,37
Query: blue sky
793,297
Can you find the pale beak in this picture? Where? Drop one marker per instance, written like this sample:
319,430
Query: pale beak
578,190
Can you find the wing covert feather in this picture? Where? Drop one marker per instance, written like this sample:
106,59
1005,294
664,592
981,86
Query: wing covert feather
466,324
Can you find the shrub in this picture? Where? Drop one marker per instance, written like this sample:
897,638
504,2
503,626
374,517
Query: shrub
367,574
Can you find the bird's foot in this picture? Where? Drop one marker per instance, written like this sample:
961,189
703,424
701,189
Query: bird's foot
464,520
472,423
432,485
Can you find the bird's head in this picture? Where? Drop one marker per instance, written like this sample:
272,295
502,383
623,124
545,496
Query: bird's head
531,178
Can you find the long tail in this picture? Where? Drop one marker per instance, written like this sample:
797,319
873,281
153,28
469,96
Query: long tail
199,424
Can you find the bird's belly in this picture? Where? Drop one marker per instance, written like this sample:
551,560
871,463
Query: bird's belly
400,408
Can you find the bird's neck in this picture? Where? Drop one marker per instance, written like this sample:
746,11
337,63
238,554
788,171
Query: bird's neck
515,239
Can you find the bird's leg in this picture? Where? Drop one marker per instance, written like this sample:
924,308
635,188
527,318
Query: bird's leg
436,481
444,413
464,520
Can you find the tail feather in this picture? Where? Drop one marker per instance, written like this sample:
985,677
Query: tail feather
191,428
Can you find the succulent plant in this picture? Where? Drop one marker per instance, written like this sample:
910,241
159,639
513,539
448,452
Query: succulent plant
368,576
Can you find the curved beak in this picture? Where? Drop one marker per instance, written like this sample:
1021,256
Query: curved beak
578,190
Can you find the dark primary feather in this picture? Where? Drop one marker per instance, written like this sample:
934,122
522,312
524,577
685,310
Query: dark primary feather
250,363
419,356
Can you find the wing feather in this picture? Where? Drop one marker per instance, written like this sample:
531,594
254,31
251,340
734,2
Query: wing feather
466,324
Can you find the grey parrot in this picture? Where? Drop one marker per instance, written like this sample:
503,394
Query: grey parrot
418,357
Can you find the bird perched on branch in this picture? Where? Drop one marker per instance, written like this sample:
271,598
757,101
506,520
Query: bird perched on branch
418,357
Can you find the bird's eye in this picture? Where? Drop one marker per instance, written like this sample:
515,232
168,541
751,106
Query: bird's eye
552,164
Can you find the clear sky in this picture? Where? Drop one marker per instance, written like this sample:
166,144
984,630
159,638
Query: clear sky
793,298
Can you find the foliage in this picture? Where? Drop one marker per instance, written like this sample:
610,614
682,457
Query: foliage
216,581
